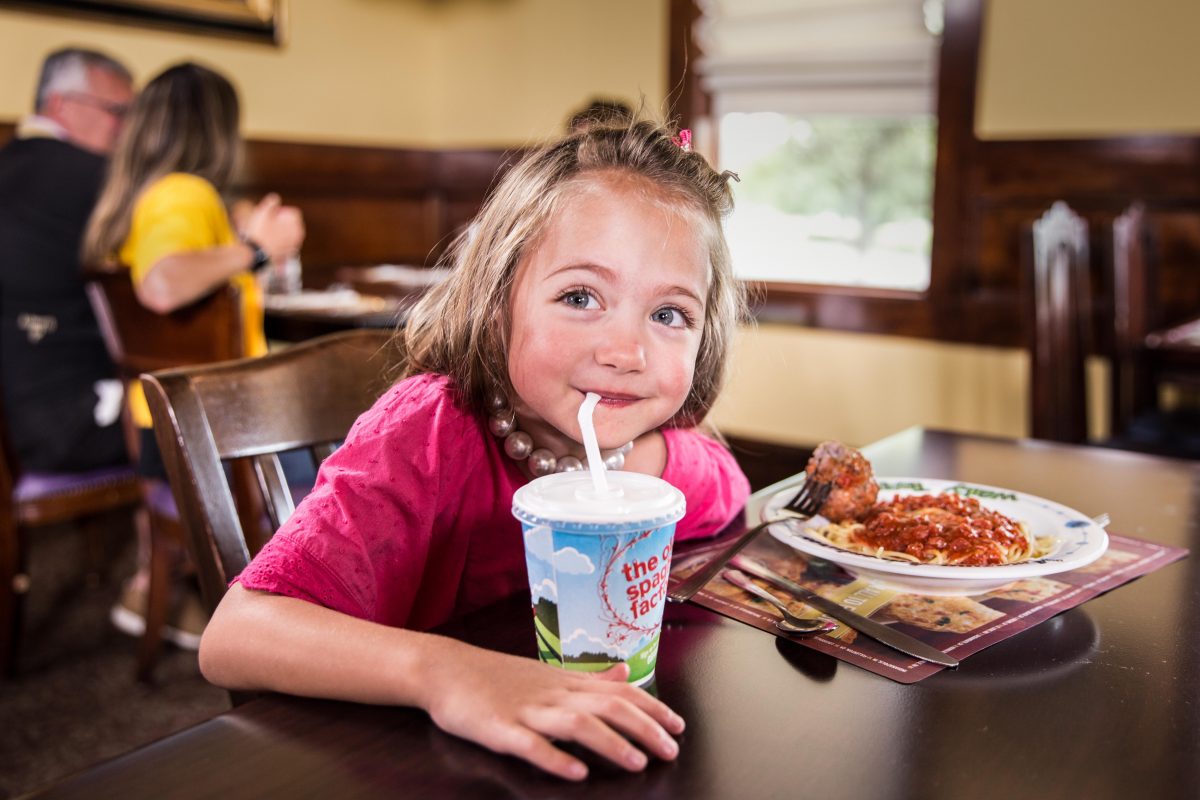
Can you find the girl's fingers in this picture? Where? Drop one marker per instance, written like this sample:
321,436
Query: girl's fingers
586,729
632,721
617,672
519,741
659,711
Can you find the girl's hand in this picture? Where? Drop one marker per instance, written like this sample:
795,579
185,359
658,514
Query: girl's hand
516,706
276,228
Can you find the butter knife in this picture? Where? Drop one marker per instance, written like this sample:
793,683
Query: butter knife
877,631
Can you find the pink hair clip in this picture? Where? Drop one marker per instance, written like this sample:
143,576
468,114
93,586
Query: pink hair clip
684,140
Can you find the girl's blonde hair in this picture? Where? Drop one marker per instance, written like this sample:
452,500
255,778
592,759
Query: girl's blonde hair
185,120
461,328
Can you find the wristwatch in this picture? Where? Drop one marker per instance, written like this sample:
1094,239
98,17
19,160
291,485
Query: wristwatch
261,259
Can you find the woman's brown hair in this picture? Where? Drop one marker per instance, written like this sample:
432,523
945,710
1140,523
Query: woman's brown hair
461,328
185,120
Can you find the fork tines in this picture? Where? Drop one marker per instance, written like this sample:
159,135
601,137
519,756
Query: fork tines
810,498
806,503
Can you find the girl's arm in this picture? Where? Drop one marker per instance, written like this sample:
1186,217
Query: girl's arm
506,703
179,279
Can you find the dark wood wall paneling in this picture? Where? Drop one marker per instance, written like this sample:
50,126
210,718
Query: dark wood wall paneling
372,205
368,205
986,193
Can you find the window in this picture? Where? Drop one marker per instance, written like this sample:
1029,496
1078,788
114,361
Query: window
824,109
832,199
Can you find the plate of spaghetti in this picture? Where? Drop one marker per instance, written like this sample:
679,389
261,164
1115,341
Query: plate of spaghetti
939,537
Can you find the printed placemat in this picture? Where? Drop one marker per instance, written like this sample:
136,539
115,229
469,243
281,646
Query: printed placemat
958,626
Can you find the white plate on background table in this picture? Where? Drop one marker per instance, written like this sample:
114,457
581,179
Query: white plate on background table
1078,541
338,301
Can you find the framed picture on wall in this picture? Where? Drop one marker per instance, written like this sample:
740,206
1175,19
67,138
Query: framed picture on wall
262,20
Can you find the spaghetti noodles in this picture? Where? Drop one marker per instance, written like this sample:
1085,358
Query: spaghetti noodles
946,529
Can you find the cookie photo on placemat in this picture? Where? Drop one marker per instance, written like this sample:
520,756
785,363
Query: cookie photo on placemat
1030,590
948,614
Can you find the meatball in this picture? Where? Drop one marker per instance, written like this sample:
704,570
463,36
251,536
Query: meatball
854,487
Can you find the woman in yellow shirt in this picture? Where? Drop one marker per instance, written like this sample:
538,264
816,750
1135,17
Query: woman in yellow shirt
161,214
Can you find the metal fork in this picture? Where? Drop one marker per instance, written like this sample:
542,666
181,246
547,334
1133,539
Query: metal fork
805,504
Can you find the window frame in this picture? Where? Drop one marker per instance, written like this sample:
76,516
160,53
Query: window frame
947,310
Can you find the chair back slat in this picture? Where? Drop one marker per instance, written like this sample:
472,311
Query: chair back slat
1058,274
1135,315
275,488
307,395
198,482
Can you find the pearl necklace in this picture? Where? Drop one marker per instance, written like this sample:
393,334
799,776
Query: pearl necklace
518,445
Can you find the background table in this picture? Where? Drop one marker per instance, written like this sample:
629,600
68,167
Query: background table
300,325
1100,702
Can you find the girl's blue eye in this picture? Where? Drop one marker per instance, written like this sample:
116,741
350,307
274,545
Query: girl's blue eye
672,317
578,298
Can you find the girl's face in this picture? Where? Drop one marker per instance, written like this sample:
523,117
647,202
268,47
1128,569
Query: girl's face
611,300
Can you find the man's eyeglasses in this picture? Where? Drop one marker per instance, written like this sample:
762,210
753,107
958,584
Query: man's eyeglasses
118,110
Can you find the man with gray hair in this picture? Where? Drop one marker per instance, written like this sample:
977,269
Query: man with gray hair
60,394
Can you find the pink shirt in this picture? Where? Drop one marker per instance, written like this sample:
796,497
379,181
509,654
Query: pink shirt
410,523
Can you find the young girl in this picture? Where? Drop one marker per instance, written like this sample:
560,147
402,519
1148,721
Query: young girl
160,213
598,264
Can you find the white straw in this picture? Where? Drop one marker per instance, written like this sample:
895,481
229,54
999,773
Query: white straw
590,445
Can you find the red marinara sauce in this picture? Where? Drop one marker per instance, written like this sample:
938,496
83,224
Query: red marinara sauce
925,525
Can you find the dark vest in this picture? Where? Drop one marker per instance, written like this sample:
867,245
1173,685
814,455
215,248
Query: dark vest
51,351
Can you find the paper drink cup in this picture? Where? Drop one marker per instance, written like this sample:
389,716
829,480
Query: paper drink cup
598,567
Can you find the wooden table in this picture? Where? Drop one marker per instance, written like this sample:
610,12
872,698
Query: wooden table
298,325
286,321
1100,702
388,291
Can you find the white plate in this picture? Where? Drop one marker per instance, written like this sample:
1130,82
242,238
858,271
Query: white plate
1078,540
340,301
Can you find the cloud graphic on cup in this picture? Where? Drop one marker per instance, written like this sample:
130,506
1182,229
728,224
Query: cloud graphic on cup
540,542
547,589
580,641
573,562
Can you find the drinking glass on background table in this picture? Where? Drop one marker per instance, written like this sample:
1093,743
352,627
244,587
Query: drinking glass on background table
285,278
598,566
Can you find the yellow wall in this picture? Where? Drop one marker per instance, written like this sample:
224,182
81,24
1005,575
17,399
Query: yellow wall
800,386
454,73
1083,68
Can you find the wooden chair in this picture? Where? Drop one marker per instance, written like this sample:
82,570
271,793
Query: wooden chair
1135,315
1138,421
1057,274
140,340
307,396
34,500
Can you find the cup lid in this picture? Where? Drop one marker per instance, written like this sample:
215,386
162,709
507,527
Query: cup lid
634,500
